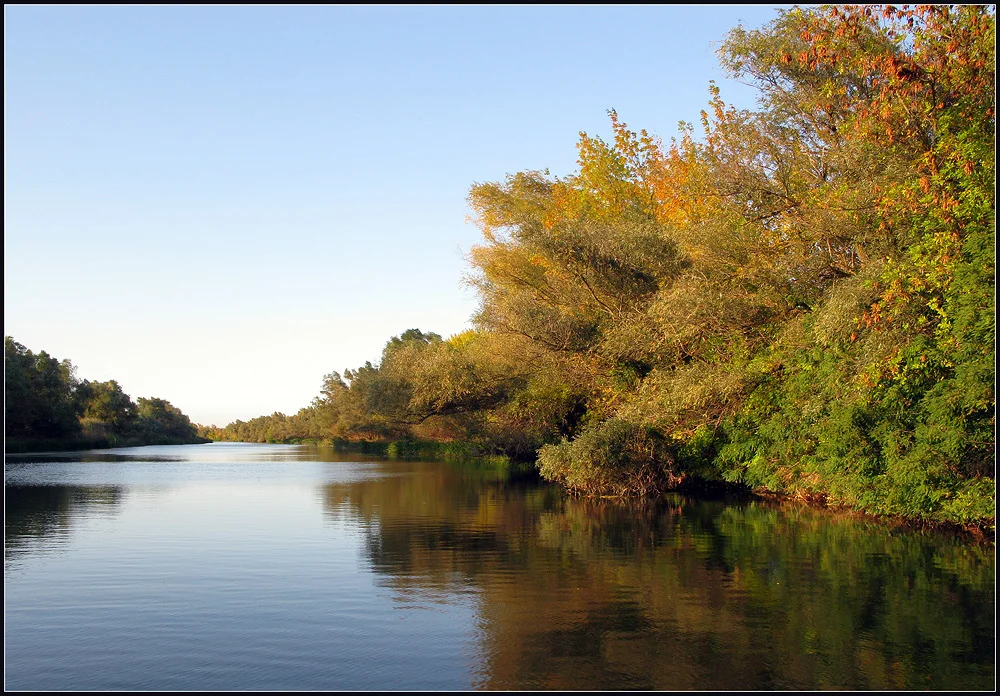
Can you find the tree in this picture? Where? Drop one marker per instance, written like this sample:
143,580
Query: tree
38,394
105,403
158,419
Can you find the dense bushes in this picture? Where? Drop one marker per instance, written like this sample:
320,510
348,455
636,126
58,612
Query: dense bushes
611,458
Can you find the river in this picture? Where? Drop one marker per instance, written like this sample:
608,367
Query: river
291,567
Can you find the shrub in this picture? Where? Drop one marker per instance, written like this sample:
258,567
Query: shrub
613,458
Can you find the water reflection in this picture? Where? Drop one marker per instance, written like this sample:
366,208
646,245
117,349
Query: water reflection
34,514
229,452
290,567
684,594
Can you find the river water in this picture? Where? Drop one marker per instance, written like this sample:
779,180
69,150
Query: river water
288,567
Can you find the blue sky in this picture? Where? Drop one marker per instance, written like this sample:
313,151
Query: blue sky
219,205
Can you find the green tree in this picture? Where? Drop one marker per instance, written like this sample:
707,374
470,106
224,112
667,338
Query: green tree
158,419
38,394
106,408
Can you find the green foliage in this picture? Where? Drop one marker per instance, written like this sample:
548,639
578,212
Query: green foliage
160,422
46,407
38,394
610,458
105,408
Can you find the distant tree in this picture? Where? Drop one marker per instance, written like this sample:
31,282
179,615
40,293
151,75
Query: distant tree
160,419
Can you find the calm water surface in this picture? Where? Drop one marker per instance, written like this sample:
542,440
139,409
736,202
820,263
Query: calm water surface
267,567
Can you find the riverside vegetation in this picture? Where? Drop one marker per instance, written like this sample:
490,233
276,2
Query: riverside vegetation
47,408
800,301
797,299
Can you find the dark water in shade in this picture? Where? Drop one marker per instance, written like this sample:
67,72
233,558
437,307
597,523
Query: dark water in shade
270,567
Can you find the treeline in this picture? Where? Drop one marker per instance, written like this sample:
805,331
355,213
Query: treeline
47,407
799,300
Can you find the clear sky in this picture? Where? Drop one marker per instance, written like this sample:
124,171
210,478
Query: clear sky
219,205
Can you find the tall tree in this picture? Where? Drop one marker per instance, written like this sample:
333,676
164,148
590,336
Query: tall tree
38,394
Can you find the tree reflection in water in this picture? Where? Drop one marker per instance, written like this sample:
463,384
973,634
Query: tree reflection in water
682,594
36,513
